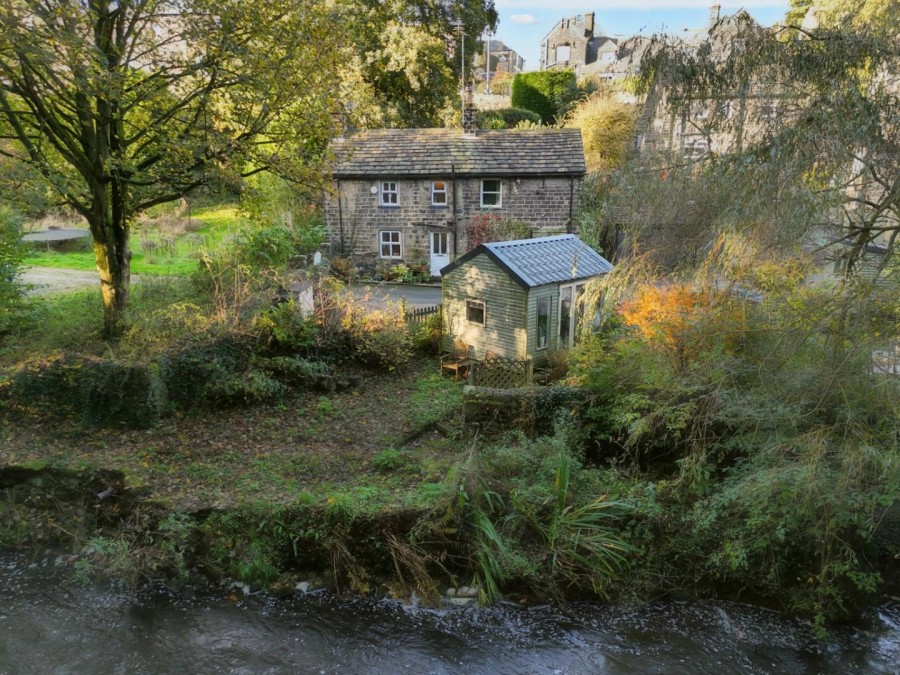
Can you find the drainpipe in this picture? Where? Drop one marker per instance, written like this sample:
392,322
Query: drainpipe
340,217
453,207
569,227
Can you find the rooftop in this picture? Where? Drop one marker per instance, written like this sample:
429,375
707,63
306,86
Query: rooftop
543,260
442,152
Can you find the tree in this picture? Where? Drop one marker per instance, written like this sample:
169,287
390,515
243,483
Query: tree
11,253
124,105
543,92
607,128
814,136
402,57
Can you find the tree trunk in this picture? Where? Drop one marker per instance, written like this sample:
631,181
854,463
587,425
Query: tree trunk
112,254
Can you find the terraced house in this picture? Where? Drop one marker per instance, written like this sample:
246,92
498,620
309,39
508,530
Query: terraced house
411,195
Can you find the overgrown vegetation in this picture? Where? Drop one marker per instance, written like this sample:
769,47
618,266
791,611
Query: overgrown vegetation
11,255
506,118
777,448
546,93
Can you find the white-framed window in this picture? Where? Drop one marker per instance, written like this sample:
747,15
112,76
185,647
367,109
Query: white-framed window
390,195
390,244
768,109
724,109
700,110
563,53
475,311
491,193
696,148
439,193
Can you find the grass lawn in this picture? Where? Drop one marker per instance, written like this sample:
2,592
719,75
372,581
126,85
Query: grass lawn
218,222
360,445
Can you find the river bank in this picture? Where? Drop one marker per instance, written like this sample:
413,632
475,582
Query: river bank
379,490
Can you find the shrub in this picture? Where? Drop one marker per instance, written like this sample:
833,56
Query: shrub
426,335
506,118
11,254
267,247
543,92
388,461
486,227
231,388
285,327
206,368
607,128
379,339
96,391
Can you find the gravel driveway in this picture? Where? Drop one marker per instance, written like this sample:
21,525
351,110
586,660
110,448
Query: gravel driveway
46,280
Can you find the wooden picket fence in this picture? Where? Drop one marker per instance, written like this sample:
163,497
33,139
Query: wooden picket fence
420,314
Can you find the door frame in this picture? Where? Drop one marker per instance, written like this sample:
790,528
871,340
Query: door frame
438,235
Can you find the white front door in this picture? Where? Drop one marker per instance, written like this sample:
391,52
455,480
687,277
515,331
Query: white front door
439,256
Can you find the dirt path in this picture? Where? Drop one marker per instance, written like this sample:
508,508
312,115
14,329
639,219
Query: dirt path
48,280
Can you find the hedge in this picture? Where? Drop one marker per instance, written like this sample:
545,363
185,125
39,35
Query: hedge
505,118
541,92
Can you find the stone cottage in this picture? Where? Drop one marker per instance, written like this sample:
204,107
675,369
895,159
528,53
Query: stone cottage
410,195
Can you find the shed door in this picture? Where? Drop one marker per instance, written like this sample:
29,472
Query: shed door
571,308
439,256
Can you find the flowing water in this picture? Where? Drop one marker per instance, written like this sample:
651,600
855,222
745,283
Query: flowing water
51,624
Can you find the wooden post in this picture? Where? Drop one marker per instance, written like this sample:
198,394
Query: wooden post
529,372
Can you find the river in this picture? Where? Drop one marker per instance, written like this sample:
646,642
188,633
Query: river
51,624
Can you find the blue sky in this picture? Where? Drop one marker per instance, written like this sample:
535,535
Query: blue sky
524,23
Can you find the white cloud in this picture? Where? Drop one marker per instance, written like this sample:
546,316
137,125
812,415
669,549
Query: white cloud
526,19
638,4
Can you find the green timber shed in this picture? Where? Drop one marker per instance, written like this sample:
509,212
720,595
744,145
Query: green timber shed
518,299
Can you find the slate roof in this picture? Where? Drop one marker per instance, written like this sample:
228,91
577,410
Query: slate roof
543,260
441,152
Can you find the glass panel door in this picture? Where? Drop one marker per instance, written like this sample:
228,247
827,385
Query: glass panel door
565,317
439,256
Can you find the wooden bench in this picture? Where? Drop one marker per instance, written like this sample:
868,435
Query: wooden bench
457,360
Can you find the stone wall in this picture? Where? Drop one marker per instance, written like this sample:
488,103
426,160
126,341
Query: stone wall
532,410
354,225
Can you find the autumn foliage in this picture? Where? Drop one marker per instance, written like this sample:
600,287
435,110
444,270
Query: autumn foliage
682,320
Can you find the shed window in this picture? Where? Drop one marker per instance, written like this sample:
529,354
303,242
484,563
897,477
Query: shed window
390,244
390,196
475,311
491,193
543,323
439,193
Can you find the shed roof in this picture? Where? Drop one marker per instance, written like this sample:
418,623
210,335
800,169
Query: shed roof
440,152
540,261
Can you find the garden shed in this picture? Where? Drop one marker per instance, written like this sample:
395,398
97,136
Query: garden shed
518,299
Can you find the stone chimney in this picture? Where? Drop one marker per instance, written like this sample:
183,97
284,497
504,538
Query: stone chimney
470,126
714,14
469,123
589,24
